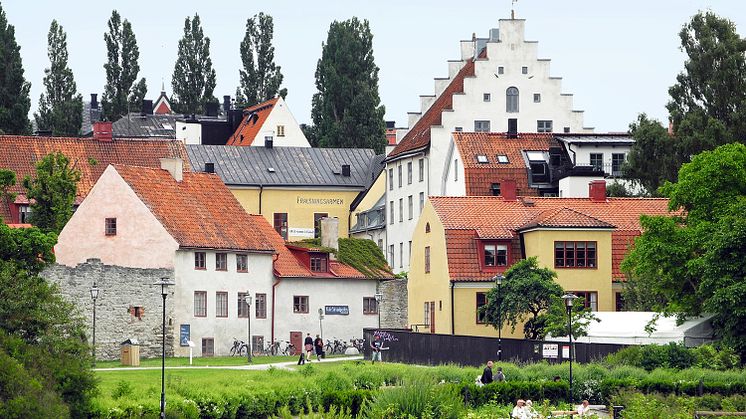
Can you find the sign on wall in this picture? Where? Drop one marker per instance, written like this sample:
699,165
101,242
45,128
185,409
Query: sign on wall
319,201
184,335
337,310
550,350
566,351
301,232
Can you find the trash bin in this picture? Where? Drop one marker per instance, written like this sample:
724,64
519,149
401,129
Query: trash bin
130,352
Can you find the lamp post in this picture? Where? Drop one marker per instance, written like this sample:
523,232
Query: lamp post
247,298
321,317
569,298
499,281
164,283
94,295
379,298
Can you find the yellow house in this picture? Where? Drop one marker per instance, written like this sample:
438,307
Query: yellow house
460,244
292,187
368,219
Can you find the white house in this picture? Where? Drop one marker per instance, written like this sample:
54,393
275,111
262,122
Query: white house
269,121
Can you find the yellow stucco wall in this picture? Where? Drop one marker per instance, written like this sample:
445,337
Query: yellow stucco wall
540,243
300,205
376,191
465,296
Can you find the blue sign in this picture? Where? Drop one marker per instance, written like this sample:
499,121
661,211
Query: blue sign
184,335
337,310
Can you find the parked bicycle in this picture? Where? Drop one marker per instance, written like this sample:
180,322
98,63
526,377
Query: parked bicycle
239,348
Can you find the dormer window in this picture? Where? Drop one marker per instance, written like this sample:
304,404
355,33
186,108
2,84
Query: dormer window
24,214
319,262
495,254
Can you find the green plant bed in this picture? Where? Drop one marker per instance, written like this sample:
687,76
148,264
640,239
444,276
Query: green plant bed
201,361
652,406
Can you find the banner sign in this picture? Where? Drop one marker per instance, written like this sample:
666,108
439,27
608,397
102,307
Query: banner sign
337,310
184,335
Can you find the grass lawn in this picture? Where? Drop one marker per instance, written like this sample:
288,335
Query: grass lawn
200,361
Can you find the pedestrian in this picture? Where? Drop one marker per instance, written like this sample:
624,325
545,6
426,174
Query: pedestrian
519,411
499,376
584,409
376,346
487,373
308,344
319,345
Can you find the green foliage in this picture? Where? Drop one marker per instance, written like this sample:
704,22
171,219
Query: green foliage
60,106
14,89
260,77
651,160
362,254
556,322
674,355
121,93
525,295
193,80
347,110
670,406
53,192
123,389
417,399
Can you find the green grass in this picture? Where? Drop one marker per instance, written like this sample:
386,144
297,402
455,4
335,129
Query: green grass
200,361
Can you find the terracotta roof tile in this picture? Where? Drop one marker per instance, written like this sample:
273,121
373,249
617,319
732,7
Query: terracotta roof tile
564,217
253,120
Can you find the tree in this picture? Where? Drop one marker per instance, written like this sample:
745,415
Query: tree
121,93
652,159
260,77
14,89
555,322
193,80
52,192
695,262
347,110
61,106
525,296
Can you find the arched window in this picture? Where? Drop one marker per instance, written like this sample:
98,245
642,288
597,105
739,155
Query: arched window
427,227
511,99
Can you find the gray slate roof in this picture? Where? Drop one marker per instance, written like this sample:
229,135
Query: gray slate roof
135,125
293,166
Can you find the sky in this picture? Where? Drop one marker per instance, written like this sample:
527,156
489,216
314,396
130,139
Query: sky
617,58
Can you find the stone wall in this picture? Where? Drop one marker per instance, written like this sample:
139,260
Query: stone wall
394,303
128,305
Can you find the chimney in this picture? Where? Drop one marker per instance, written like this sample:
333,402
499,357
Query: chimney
597,190
102,131
226,104
330,233
512,127
94,101
211,108
209,167
147,107
268,140
346,170
508,190
175,167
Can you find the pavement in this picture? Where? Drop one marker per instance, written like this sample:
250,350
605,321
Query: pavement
253,367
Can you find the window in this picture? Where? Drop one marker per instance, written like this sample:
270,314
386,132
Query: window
319,262
391,179
242,263
481,158
200,303
401,210
317,216
524,70
617,160
400,177
411,206
243,308
422,201
401,254
300,304
260,302
370,305
427,227
200,260
486,97
409,173
543,126
281,130
574,254
503,159
409,255
110,226
458,129
495,254
427,259
421,162
495,188
500,70
566,130
380,244
511,99
136,312
426,319
590,299
281,224
481,301
221,304
221,261
481,126
537,97
391,210
455,170
208,347
391,254
24,214
619,301
257,343
597,160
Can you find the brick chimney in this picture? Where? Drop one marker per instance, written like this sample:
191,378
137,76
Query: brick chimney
330,233
508,190
175,167
597,190
102,131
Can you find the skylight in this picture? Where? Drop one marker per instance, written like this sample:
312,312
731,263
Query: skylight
481,158
502,158
535,156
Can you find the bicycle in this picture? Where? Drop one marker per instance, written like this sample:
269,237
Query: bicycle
289,349
239,348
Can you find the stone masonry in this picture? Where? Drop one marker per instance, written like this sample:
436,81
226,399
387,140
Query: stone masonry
128,305
394,303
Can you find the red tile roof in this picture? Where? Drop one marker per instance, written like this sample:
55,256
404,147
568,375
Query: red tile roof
198,212
469,218
254,118
564,217
21,153
419,136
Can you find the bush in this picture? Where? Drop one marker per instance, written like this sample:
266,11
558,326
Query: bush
674,355
415,400
651,406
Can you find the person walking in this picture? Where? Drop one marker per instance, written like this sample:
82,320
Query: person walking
499,376
487,373
377,347
308,346
319,345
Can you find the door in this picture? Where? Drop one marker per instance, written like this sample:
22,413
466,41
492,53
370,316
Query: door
296,338
432,316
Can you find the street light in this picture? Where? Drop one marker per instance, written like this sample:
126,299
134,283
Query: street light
379,298
94,295
164,283
569,298
247,298
321,317
499,281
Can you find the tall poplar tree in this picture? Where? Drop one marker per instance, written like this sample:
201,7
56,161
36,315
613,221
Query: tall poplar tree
61,106
260,77
14,89
121,93
193,81
347,110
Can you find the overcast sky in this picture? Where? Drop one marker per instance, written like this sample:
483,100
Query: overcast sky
618,58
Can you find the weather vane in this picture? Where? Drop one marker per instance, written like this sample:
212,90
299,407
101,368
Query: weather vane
512,8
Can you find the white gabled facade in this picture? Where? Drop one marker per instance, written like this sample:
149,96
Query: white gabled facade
283,127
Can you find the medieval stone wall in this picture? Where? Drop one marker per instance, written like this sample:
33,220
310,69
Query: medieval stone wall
394,303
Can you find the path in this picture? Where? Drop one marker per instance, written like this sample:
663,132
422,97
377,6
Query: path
253,367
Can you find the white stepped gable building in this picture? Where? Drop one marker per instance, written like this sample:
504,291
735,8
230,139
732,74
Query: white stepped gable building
498,85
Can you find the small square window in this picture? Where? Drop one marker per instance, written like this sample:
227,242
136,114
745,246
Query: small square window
543,126
501,70
481,126
481,158
208,347
318,263
300,304
111,226
486,97
524,70
537,97
458,129
502,158
495,189
566,130
221,261
136,312
370,305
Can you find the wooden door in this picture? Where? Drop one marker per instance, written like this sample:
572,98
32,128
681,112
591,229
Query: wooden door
296,338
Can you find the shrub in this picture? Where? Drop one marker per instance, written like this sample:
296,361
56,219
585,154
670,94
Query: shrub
415,400
123,389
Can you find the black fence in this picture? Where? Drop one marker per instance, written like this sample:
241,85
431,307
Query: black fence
432,349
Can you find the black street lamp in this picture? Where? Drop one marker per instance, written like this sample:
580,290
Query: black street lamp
569,298
499,281
321,317
164,283
94,295
379,298
247,298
